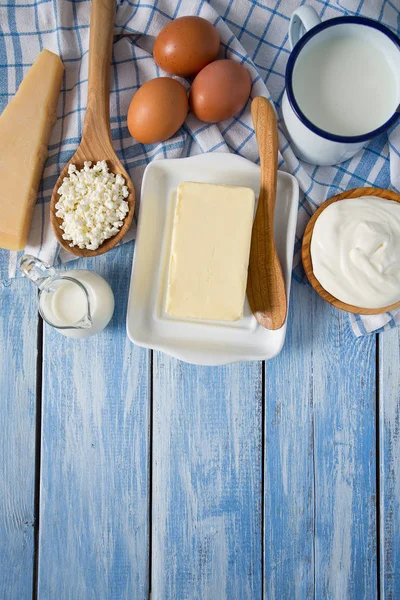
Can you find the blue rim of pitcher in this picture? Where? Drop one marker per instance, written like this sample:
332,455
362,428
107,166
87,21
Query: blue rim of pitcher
289,77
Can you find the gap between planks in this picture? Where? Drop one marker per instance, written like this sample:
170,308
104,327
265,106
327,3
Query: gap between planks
38,443
263,440
377,464
150,509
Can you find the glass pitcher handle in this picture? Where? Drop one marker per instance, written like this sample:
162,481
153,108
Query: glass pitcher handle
40,273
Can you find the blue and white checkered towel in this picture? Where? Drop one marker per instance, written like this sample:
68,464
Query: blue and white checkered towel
252,31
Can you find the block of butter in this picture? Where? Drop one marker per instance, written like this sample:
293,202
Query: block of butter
25,128
210,251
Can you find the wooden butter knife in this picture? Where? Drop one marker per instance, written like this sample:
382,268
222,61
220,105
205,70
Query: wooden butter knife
265,285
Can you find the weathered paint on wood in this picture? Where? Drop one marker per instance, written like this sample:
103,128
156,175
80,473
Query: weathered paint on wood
319,468
18,357
344,397
94,539
288,465
207,501
320,488
389,436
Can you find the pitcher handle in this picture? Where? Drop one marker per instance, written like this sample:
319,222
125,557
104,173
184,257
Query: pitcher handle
39,272
303,19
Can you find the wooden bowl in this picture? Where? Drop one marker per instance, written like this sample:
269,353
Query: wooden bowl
306,250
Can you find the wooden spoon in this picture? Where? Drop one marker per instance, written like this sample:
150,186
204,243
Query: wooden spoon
96,139
306,250
265,285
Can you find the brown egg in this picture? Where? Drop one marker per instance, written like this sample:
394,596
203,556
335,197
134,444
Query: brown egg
157,110
220,91
186,45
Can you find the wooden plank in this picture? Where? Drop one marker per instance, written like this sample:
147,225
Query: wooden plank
288,465
207,445
320,479
94,538
344,399
389,452
18,354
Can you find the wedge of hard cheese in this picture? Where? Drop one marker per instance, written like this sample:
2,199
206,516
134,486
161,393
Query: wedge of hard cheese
25,128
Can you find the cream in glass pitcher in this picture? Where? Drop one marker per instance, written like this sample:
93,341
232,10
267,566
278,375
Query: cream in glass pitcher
78,303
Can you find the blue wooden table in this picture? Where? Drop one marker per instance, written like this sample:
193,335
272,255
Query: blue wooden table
124,471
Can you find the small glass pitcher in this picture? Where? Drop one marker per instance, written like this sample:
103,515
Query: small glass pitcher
49,280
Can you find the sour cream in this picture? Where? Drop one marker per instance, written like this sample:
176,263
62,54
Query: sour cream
355,251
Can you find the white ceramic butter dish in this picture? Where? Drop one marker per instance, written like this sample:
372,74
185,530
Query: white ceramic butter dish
200,342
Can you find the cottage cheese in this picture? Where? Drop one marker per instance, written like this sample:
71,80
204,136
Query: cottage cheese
92,205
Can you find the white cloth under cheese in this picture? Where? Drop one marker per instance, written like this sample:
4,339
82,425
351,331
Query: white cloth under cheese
210,252
25,128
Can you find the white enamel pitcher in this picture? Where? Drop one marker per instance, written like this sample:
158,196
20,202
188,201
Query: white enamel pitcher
311,143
